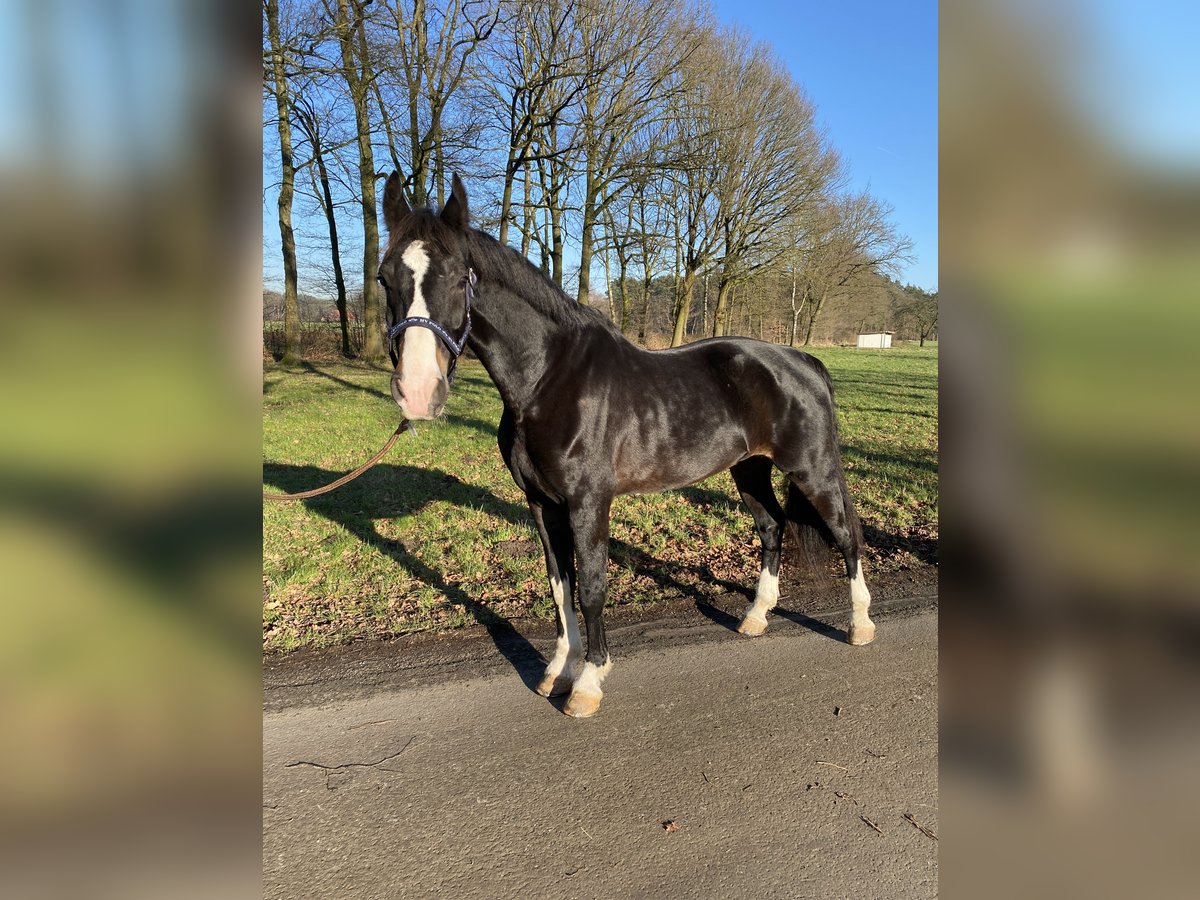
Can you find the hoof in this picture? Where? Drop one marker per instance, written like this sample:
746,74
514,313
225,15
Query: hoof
858,635
752,627
580,706
554,685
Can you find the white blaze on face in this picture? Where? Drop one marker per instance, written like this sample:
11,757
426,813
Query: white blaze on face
418,360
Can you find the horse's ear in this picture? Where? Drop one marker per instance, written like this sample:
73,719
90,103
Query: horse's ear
395,207
456,213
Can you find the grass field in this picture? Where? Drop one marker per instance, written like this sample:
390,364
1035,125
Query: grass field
437,536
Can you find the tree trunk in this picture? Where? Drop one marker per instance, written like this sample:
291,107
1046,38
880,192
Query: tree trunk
623,288
586,239
722,312
529,219
510,174
685,308
812,318
556,242
338,279
612,309
373,350
291,305
587,234
677,305
647,287
795,312
439,158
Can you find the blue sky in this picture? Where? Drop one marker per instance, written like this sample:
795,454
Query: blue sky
1141,83
871,70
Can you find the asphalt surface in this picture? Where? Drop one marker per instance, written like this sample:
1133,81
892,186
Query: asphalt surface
718,766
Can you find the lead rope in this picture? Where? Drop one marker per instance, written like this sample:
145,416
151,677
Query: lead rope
404,426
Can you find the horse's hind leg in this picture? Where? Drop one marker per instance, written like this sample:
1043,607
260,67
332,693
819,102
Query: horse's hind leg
566,664
753,480
821,509
589,528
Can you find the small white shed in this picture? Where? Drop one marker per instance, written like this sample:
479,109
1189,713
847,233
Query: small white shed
879,340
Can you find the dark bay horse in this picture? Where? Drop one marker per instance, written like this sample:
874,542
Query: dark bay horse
588,416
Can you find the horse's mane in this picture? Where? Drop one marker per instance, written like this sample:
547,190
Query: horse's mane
501,264
516,273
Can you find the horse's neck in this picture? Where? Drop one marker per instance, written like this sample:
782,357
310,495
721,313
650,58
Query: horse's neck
512,336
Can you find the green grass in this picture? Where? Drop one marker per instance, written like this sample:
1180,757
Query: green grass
437,535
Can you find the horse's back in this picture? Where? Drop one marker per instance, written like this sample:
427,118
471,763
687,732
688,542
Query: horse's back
754,366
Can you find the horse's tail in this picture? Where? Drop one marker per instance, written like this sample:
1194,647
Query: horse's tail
810,535
809,528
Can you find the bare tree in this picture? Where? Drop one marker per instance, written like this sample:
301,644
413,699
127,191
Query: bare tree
917,309
652,239
621,239
695,123
357,72
277,85
850,237
433,49
773,163
315,124
631,53
531,81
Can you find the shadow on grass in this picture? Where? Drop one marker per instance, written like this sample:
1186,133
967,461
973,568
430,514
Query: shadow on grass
377,494
485,428
375,392
388,491
710,498
897,413
871,462
923,548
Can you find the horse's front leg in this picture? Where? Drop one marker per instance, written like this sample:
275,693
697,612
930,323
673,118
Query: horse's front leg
564,667
589,525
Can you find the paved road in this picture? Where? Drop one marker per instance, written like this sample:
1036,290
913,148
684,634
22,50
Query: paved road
767,755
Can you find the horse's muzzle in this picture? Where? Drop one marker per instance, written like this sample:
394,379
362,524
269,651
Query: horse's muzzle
421,401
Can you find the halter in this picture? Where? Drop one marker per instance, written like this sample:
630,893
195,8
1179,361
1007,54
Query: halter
455,347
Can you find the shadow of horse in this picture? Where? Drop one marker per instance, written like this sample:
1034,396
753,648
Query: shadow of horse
377,494
390,491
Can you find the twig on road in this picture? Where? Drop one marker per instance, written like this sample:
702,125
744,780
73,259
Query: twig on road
872,824
821,762
921,828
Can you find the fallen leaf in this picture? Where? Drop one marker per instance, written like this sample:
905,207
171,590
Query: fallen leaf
670,826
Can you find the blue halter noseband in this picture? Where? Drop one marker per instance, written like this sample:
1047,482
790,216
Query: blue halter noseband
455,347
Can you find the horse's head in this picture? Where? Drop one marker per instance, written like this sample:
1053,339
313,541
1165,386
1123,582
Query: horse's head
428,281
